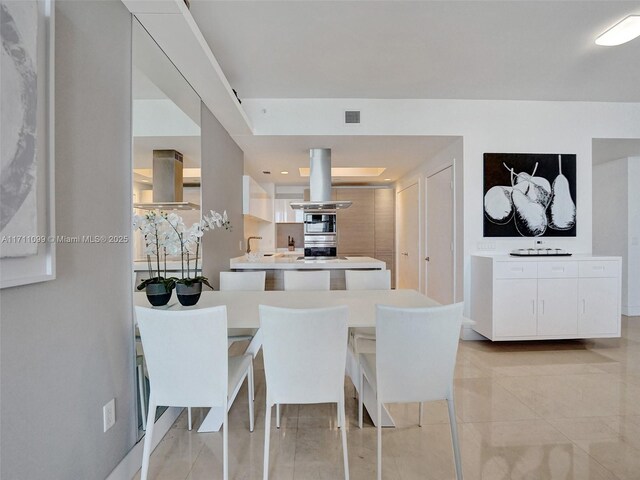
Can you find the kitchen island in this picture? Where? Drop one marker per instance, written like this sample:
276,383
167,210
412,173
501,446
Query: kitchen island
275,264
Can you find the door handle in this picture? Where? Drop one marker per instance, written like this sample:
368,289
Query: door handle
405,254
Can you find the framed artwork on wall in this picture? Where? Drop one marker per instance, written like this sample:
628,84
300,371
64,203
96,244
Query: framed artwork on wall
27,207
529,195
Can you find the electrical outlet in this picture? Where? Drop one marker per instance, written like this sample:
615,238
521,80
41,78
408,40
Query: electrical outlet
109,414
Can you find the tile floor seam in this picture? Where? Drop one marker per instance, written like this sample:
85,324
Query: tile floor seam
597,461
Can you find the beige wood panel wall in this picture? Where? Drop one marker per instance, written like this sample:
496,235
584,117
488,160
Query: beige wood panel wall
384,221
356,224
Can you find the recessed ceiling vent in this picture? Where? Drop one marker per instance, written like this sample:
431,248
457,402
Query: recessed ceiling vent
352,116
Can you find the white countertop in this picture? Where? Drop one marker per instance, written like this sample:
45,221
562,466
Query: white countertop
287,261
547,258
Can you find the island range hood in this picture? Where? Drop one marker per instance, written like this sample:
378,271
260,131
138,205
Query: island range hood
167,183
320,184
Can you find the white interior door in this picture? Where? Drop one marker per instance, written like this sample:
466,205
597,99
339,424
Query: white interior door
439,252
408,222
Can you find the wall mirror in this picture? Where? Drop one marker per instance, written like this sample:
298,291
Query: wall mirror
166,119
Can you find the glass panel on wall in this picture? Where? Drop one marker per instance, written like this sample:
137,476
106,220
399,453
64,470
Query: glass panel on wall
166,167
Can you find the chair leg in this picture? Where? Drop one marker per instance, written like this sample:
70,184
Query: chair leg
277,415
379,428
148,439
454,437
189,417
267,434
343,421
360,401
250,387
142,391
338,417
420,413
225,444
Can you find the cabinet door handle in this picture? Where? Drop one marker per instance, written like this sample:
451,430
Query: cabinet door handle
533,307
584,305
542,301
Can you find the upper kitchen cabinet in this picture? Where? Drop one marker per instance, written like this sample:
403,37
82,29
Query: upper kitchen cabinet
283,213
256,201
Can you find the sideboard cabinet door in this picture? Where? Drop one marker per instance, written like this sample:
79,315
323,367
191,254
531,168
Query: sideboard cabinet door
598,306
515,307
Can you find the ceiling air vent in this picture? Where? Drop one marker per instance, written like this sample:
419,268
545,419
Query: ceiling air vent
352,116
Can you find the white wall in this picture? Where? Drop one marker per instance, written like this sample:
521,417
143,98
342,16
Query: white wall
67,344
485,125
611,215
633,306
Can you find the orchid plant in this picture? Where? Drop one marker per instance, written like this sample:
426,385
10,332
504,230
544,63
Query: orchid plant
157,239
168,233
187,241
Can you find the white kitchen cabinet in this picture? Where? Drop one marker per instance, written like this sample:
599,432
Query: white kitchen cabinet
256,201
283,213
516,298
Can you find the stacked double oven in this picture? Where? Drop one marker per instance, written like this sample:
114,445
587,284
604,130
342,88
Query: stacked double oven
320,234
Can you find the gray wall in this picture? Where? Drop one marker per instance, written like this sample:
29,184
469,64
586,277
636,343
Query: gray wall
66,345
222,169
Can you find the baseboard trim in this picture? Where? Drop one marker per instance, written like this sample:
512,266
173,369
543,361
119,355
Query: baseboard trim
132,462
630,311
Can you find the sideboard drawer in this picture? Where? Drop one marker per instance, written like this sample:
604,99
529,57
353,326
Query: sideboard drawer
516,270
599,268
557,269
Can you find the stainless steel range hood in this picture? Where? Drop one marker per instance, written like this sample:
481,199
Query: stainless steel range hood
167,183
320,184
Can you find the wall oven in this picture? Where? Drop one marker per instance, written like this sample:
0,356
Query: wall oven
323,223
320,246
320,235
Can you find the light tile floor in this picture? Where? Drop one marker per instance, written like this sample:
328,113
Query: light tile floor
526,410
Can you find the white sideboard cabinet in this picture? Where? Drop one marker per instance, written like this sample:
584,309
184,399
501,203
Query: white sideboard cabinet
516,298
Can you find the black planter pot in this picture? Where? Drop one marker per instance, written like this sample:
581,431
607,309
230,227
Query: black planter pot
157,294
189,294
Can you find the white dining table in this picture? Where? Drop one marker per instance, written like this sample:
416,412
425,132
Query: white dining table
243,312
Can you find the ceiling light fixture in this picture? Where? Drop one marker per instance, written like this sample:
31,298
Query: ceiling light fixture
387,179
284,172
625,30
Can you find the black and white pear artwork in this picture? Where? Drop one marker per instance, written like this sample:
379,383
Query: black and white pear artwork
529,195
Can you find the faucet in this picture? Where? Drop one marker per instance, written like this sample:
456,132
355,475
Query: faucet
249,242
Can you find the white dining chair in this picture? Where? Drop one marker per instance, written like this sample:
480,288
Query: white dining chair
304,280
363,339
304,354
242,282
414,361
188,366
